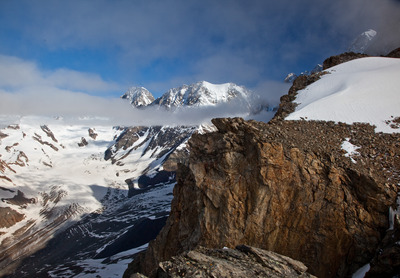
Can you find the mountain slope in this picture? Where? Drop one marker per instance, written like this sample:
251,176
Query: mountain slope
362,90
77,189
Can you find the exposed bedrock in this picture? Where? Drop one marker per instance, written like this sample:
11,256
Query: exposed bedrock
286,187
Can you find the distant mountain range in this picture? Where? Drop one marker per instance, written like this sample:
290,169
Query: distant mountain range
198,94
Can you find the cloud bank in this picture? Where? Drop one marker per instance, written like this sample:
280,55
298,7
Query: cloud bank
17,74
81,108
26,90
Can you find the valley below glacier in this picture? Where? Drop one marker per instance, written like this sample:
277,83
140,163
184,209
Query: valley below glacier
81,200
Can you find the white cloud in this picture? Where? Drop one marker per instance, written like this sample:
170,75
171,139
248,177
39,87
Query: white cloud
16,73
74,80
53,102
224,40
25,90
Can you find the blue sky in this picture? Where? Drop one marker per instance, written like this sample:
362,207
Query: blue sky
102,47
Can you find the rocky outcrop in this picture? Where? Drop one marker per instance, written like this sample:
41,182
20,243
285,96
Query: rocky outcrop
287,105
19,200
348,56
394,53
83,142
92,133
39,139
8,217
287,187
3,135
241,262
342,58
48,132
3,168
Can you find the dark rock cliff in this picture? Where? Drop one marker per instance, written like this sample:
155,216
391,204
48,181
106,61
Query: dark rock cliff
341,58
286,187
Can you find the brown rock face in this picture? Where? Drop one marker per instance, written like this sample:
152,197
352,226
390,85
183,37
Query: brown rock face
286,187
92,133
8,217
83,142
342,58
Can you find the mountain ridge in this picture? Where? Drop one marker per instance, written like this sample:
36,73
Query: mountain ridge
201,93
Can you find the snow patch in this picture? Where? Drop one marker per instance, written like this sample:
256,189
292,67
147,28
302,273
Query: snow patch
361,272
350,149
394,212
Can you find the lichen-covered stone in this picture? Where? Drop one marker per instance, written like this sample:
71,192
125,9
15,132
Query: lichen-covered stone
241,262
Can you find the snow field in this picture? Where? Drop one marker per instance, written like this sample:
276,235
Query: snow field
362,90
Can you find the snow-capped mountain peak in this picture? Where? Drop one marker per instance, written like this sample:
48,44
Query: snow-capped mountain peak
362,41
201,94
138,96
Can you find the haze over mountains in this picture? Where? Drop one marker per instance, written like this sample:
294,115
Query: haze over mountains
78,107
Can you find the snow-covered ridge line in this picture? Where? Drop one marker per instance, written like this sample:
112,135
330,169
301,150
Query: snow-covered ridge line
198,94
363,90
